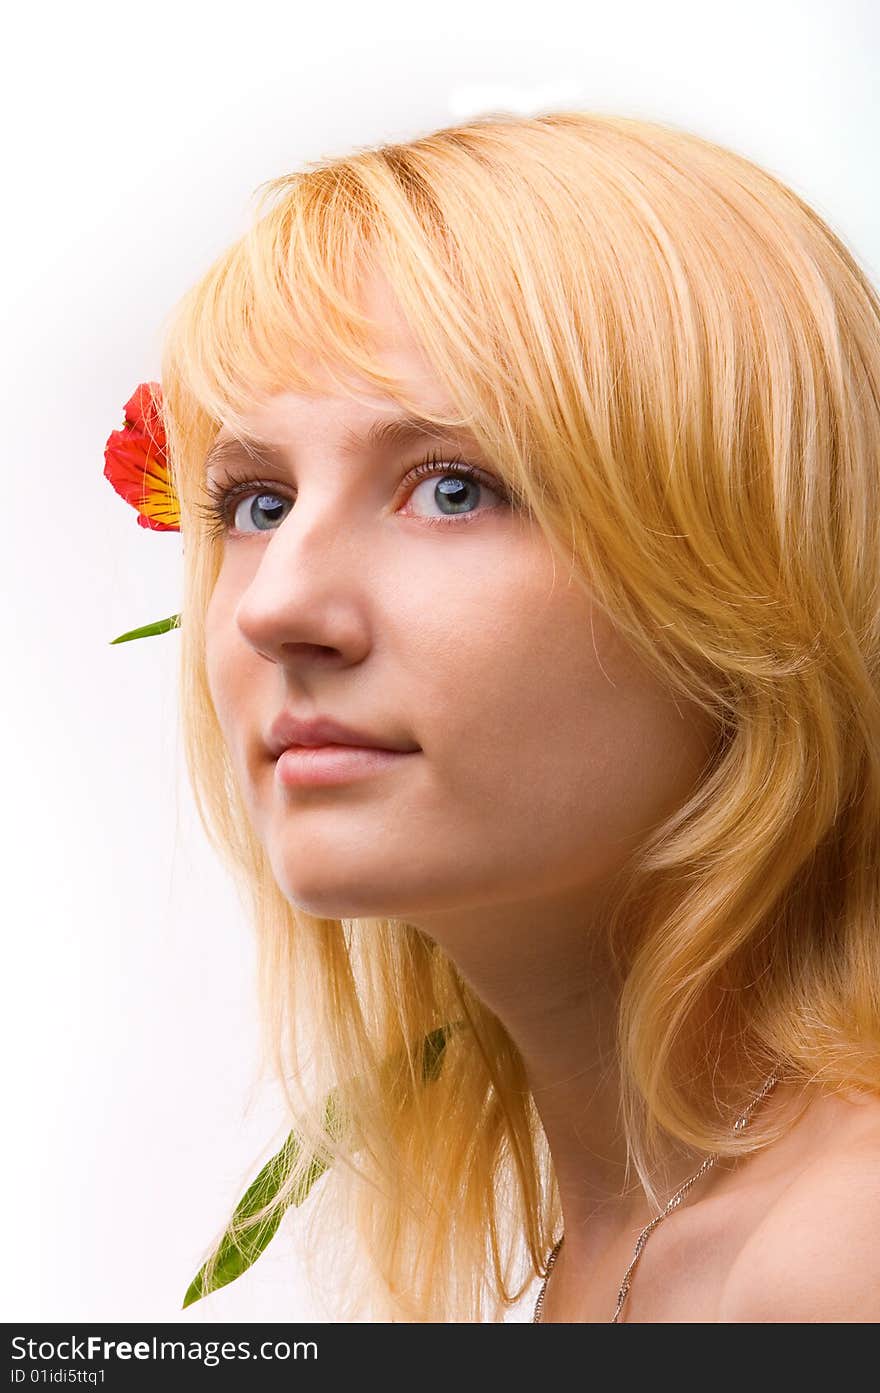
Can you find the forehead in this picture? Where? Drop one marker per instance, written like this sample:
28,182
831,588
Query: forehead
352,409
343,408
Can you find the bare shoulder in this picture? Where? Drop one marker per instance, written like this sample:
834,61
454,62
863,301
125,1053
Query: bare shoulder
815,1256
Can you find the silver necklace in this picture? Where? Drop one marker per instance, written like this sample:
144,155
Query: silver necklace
646,1232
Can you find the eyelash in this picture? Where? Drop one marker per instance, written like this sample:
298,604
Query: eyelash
219,512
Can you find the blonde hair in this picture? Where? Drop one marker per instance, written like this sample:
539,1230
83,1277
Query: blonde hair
675,364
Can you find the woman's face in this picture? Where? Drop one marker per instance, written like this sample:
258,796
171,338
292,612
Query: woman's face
428,613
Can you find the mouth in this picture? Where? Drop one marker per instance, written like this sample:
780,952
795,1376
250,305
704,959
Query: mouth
301,766
289,731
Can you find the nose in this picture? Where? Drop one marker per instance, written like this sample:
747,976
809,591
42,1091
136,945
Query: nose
307,595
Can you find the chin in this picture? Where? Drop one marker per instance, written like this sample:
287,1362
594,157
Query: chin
331,900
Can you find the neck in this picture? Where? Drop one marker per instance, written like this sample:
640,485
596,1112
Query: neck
539,970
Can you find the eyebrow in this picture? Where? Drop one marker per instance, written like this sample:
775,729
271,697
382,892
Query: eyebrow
387,433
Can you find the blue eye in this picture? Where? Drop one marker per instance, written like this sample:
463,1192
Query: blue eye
454,485
270,504
457,484
224,501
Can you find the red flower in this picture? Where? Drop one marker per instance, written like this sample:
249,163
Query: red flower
136,461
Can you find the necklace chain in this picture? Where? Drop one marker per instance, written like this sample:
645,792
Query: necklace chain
646,1232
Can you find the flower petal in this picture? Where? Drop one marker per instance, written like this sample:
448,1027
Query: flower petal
136,461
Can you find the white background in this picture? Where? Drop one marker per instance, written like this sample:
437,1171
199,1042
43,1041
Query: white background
134,137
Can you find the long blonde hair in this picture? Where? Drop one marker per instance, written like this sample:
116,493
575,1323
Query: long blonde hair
675,363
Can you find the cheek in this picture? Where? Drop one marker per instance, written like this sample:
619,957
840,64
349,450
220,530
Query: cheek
514,669
551,741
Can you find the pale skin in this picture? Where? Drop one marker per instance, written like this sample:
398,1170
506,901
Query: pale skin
546,751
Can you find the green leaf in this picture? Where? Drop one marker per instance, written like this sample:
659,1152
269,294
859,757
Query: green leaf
160,626
236,1253
433,1046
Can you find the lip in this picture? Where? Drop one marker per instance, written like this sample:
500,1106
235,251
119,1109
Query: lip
309,765
289,731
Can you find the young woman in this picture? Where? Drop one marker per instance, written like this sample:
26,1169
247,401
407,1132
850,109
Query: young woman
529,480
